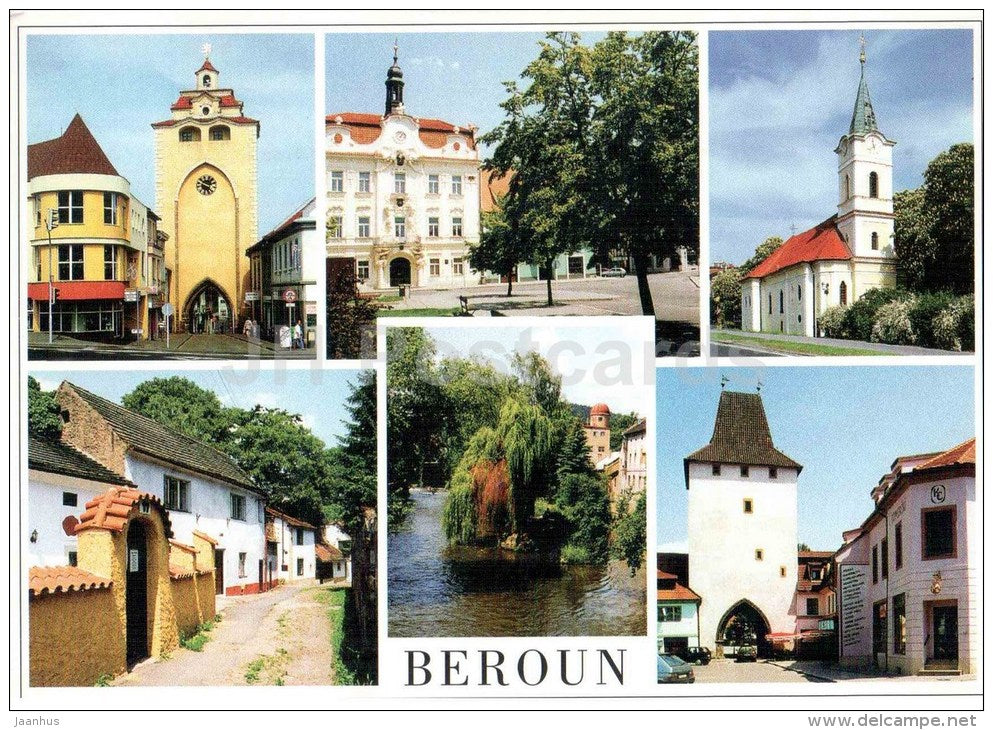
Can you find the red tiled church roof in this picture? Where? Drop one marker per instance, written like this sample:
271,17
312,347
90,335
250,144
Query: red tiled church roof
75,151
823,242
207,66
63,579
221,120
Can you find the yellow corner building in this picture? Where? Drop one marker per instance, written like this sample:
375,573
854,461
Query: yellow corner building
96,253
206,193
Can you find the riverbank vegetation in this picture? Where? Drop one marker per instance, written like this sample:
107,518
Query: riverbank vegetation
510,450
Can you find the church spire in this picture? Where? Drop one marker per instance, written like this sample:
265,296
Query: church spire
394,85
863,117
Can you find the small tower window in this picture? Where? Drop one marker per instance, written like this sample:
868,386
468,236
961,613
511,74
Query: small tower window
873,185
759,554
848,187
875,241
782,307
747,506
782,571
799,292
206,81
843,294
715,469
189,134
220,132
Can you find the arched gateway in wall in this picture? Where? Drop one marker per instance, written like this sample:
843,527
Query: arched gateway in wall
207,309
742,625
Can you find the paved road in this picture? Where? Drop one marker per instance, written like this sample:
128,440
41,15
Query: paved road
181,347
726,670
676,296
851,344
286,628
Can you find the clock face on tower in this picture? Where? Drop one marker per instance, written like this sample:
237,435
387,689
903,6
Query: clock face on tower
206,185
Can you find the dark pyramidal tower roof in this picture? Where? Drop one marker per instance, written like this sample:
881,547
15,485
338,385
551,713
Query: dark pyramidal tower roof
741,435
75,151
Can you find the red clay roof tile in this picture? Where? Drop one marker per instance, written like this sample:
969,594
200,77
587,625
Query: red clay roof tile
964,453
327,553
823,242
63,579
110,510
679,593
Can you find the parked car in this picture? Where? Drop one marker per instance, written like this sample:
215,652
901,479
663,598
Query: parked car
694,655
746,653
673,669
616,271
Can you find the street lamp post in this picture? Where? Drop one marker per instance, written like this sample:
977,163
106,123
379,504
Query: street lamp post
51,221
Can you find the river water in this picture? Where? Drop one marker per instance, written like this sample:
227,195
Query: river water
436,590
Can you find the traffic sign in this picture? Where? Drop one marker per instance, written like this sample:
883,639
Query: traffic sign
131,295
168,309
289,296
251,296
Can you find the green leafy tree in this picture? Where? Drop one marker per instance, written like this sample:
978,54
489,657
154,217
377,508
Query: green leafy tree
526,433
631,531
416,414
619,423
582,499
352,488
725,298
541,386
949,199
183,405
44,421
762,252
574,454
915,249
500,247
350,318
645,130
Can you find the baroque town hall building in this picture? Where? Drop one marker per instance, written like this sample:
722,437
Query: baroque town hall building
837,261
403,194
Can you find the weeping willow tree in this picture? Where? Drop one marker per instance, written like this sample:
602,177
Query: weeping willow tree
500,474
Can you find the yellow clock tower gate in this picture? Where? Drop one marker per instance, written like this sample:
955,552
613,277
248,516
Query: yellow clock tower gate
206,192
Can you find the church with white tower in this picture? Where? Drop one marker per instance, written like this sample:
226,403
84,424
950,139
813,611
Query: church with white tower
742,525
840,259
402,194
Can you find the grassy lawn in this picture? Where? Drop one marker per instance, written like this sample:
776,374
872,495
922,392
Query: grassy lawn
435,312
794,348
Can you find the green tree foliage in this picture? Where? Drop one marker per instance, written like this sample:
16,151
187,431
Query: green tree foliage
351,320
934,226
44,421
540,385
645,130
574,454
526,433
861,316
416,414
762,252
619,423
183,405
725,298
630,531
500,247
352,488
582,499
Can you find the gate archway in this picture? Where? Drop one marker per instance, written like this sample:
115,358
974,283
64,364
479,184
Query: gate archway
744,624
400,272
208,309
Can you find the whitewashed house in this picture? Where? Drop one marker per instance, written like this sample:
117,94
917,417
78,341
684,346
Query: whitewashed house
204,490
290,544
61,480
335,552
907,589
678,618
402,195
742,526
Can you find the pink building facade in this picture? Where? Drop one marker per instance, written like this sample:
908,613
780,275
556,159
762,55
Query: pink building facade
906,589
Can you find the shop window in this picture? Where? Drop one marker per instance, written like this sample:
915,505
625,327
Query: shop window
900,624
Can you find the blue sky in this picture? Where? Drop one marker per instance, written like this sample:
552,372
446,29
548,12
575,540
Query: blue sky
845,425
318,396
781,100
457,77
121,84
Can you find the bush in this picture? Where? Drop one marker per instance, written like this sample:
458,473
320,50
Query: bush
967,322
458,520
833,322
575,554
860,319
923,316
893,325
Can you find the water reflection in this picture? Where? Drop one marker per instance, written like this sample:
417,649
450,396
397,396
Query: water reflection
436,590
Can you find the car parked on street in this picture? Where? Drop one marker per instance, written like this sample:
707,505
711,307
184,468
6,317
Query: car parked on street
694,655
672,669
616,271
747,653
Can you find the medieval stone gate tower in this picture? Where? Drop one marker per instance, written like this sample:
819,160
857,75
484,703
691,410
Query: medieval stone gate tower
206,192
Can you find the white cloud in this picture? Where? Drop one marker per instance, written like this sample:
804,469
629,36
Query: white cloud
676,546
